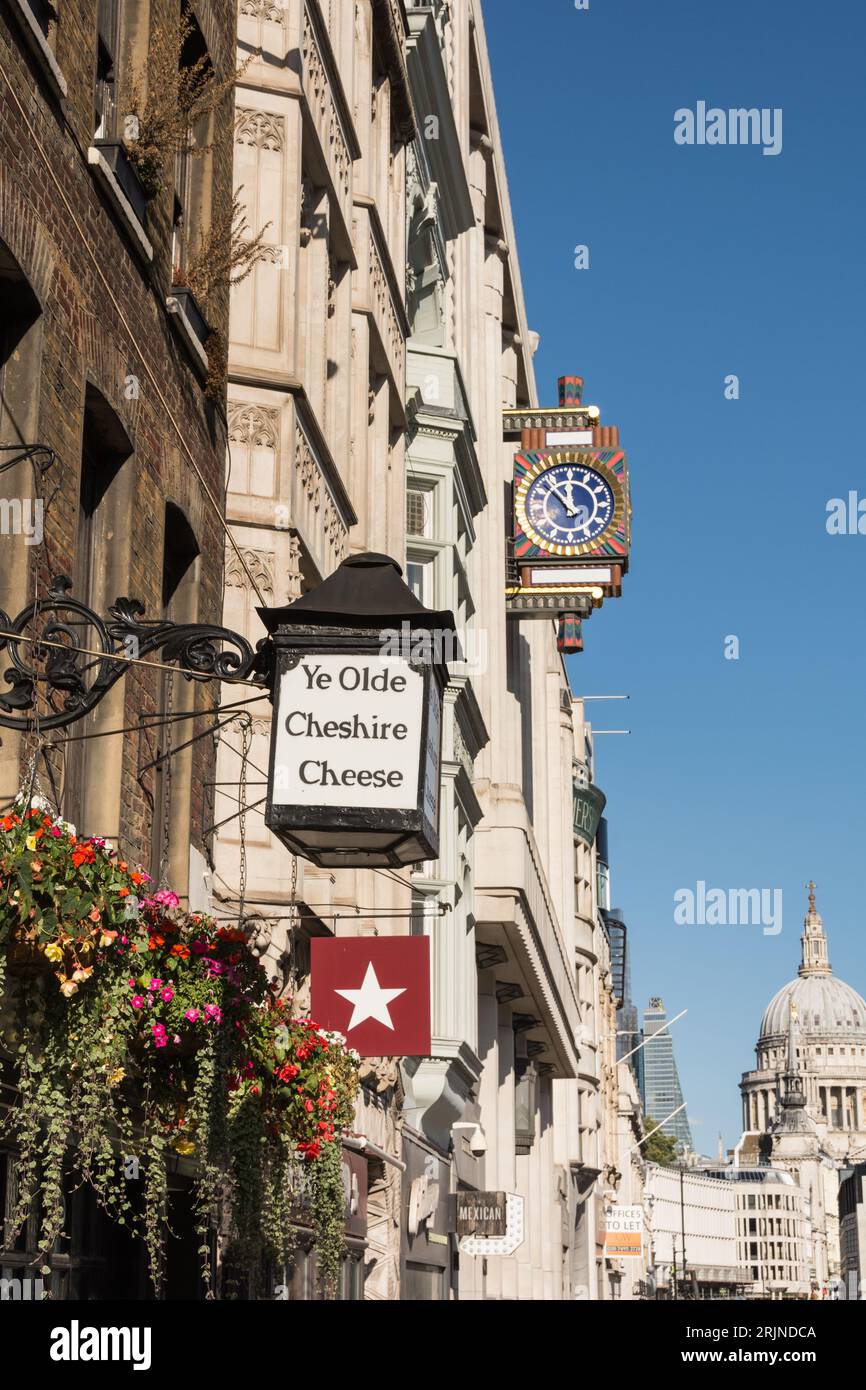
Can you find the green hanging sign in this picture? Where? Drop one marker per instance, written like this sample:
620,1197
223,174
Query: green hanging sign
589,803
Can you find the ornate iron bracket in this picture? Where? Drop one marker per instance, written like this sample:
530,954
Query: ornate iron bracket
75,657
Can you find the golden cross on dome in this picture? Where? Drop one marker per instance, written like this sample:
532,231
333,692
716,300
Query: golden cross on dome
811,887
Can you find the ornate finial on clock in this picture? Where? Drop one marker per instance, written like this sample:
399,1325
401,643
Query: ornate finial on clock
570,391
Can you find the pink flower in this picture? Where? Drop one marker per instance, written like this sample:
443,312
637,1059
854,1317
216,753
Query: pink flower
193,1015
159,1039
55,831
137,1001
155,984
131,984
213,1011
167,899
167,994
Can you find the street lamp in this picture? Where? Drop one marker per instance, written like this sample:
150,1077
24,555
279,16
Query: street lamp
357,730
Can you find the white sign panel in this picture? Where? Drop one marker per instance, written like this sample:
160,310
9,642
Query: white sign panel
586,574
500,1245
348,733
568,437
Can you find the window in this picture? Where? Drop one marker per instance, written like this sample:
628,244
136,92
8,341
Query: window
419,512
20,371
192,165
45,15
98,576
107,52
419,577
173,770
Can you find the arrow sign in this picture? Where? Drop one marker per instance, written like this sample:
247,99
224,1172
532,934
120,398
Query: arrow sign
500,1245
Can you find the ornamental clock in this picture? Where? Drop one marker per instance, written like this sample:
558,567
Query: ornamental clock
569,503
571,513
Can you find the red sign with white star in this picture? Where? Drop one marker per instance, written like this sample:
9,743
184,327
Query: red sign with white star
375,990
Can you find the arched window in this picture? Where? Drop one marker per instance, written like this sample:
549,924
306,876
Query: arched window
91,784
21,516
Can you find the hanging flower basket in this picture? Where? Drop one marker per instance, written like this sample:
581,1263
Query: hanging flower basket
153,1033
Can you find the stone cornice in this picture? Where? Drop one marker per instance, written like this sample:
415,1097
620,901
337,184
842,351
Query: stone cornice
390,29
329,116
307,421
432,97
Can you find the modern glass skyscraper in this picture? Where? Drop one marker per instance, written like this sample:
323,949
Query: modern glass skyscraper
660,1089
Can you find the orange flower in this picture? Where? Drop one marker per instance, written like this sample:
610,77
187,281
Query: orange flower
95,915
123,892
156,940
7,822
180,950
122,866
136,878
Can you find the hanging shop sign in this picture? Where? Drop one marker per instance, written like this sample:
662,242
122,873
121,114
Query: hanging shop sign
482,1214
515,1232
623,1236
589,802
357,729
375,990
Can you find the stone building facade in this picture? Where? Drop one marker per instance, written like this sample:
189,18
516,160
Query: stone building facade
317,426
372,353
811,1064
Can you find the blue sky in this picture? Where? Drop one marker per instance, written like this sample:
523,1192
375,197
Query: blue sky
707,261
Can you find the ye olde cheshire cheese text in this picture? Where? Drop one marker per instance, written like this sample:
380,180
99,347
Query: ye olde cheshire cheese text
304,724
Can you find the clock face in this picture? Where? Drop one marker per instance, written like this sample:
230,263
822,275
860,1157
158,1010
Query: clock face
569,505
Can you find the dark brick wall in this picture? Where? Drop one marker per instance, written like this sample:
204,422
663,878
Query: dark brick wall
106,333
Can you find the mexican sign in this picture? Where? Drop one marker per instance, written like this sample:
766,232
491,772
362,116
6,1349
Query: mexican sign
482,1214
506,1244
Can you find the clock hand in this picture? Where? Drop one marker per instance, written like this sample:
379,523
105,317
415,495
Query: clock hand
566,501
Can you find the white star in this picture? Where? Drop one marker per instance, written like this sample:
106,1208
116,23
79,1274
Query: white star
370,1001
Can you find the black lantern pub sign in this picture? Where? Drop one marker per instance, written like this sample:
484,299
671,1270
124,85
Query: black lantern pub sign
359,682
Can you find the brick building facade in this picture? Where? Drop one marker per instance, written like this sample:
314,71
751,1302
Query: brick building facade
97,368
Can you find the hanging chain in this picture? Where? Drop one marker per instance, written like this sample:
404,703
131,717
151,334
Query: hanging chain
166,783
246,743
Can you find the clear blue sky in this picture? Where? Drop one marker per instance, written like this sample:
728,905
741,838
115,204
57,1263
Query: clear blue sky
704,262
